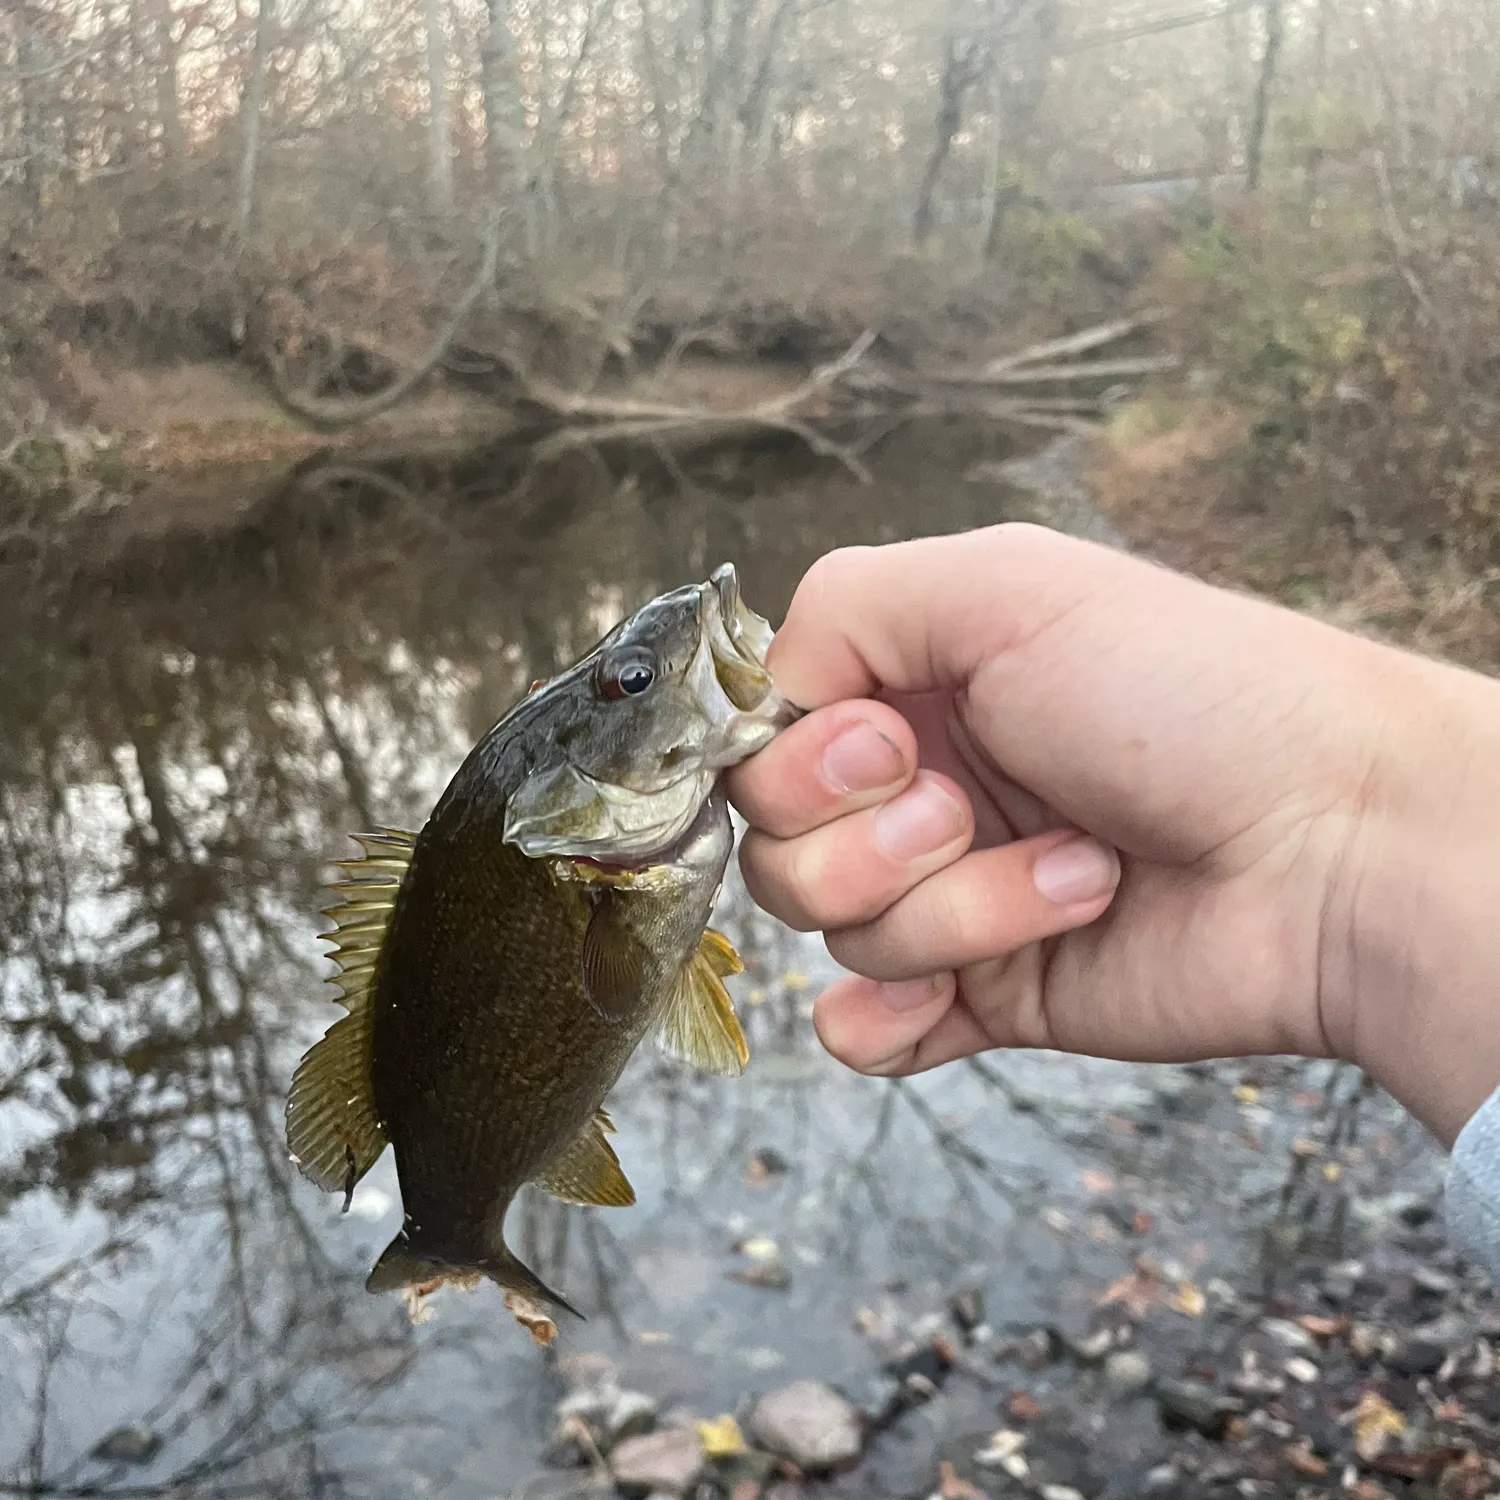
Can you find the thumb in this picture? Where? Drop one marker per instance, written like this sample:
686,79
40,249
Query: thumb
919,616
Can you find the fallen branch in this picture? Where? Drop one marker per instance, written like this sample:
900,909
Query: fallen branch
1073,343
334,416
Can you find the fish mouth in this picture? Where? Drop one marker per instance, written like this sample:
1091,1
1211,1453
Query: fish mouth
738,640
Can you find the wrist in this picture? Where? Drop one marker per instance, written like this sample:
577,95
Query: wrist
1410,982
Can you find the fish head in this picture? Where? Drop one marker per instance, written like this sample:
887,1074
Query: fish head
627,744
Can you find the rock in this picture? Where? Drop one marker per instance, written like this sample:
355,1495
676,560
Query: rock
1195,1404
1288,1334
609,1414
127,1445
770,1275
1433,1282
1059,1492
632,1413
967,1307
1422,1350
1160,1480
670,1461
1127,1372
883,1402
1303,1371
1088,1347
1257,1384
808,1423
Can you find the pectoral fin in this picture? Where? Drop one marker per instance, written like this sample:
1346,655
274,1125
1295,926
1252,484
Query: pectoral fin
588,1171
614,963
700,1025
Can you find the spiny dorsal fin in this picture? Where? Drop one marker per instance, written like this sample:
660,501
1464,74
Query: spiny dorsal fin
332,1129
588,1171
699,1024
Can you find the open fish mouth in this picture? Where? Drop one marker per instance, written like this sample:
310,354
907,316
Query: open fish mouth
738,640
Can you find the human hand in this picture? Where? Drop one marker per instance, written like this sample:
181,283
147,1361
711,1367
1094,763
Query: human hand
1051,796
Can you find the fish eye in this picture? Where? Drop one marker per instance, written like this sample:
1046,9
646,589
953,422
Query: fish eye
627,676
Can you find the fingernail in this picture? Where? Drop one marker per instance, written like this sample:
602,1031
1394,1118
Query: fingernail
911,994
918,822
862,759
1077,871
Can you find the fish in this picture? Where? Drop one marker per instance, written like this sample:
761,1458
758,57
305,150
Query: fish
501,966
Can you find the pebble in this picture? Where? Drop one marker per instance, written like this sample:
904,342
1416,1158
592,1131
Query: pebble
1288,1334
1304,1371
1059,1492
670,1462
1127,1372
1192,1403
967,1307
127,1445
1433,1282
808,1423
1422,1350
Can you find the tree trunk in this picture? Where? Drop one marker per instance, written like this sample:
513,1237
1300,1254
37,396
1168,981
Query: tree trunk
252,107
1256,144
439,135
502,123
162,52
960,70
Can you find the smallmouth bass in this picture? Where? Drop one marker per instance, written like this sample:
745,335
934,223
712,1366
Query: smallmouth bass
501,966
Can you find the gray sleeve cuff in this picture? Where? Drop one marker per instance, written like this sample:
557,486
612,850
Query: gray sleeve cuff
1473,1190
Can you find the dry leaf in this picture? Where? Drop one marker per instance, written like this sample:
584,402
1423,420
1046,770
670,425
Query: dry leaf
1332,1171
1097,1182
1136,1291
1188,1300
721,1437
1301,1458
1247,1093
1023,1406
1376,1422
530,1316
951,1487
795,981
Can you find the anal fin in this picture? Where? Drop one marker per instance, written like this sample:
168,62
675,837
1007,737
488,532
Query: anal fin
700,1025
588,1171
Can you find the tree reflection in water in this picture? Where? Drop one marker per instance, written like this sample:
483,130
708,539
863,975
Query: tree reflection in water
183,749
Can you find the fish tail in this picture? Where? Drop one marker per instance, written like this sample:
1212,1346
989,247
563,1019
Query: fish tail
403,1263
511,1274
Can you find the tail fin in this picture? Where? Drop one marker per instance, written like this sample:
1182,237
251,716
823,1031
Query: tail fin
405,1263
510,1274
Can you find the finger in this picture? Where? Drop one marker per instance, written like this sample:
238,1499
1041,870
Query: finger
835,761
989,903
889,1030
921,615
850,870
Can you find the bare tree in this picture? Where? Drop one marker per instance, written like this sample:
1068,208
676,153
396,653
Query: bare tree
439,131
252,109
1256,143
965,57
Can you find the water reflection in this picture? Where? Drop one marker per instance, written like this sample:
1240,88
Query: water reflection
185,744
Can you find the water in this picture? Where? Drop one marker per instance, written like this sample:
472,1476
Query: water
186,740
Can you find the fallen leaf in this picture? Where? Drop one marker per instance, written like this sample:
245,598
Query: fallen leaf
1023,1406
1448,1411
1136,1291
1332,1171
945,1350
1376,1422
759,1247
1247,1093
1188,1300
1141,1222
1301,1458
1306,1146
951,1487
795,981
654,1336
1097,1182
531,1317
721,1437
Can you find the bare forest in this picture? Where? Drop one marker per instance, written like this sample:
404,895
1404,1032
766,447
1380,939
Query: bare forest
360,362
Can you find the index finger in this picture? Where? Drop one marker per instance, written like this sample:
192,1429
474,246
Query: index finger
918,616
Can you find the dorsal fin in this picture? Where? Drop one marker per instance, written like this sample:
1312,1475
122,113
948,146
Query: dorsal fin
332,1129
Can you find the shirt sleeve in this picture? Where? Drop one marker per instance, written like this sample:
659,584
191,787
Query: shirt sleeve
1473,1189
